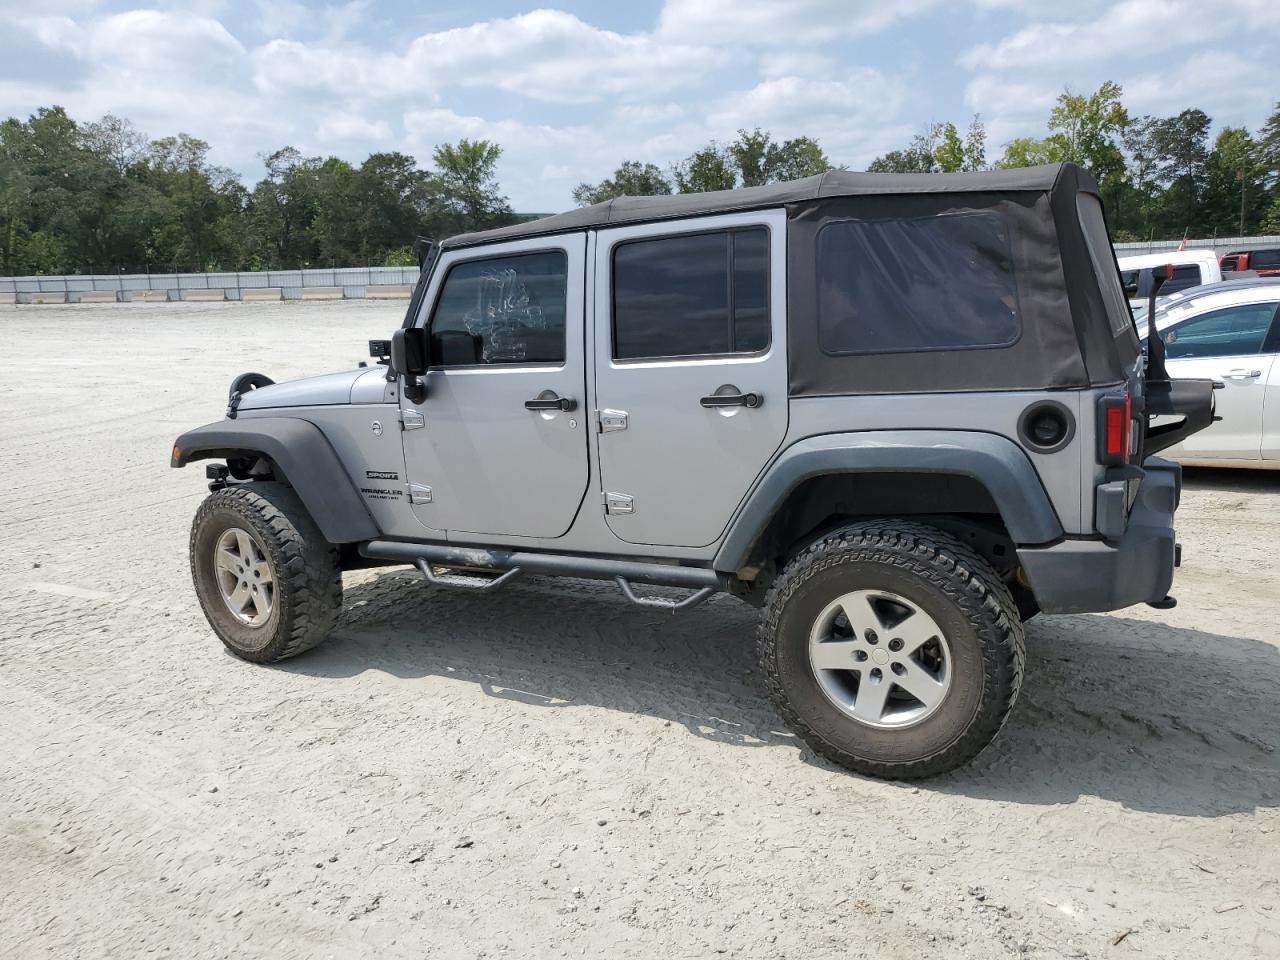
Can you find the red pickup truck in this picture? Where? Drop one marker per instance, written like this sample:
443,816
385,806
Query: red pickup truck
1266,263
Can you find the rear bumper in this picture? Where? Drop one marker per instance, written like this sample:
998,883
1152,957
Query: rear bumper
1093,576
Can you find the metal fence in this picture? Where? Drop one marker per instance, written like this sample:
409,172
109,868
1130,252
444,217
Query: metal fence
346,282
1218,245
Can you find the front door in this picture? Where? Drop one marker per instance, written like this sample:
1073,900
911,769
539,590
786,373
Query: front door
691,371
1226,345
499,444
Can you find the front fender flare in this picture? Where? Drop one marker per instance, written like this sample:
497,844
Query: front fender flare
303,453
994,461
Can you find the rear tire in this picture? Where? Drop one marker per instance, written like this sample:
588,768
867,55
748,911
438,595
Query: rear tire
269,583
873,609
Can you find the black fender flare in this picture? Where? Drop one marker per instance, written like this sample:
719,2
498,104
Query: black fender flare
996,462
303,453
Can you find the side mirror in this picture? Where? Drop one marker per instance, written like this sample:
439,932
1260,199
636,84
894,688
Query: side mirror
409,351
409,360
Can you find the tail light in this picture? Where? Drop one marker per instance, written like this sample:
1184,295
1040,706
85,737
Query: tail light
1115,429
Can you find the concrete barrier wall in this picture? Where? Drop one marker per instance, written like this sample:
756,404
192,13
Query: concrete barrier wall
332,284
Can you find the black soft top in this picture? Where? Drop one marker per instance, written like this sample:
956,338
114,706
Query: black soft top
833,183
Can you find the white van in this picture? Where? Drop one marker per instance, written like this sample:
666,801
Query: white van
1189,268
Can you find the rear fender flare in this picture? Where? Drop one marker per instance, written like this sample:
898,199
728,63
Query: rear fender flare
996,462
306,458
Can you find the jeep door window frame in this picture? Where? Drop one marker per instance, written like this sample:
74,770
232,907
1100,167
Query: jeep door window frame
730,233
442,286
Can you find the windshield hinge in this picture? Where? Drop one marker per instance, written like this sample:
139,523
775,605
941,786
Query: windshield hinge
412,420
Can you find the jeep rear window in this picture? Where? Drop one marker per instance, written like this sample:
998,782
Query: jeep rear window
1104,263
693,295
501,310
932,283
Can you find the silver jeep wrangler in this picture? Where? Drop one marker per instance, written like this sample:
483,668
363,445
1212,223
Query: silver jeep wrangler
901,414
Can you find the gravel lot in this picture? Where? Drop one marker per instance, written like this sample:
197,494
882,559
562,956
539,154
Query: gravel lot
552,772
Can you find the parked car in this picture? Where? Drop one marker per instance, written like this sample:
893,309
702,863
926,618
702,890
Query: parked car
861,402
1265,263
1229,332
1188,268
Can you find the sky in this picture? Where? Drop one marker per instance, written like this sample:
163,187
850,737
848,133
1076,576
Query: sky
571,90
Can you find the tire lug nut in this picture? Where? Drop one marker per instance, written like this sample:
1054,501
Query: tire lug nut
895,644
871,637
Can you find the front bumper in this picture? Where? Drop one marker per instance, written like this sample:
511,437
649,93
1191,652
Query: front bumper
1094,576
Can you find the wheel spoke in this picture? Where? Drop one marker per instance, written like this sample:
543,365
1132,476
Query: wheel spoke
915,631
919,683
247,553
834,655
259,599
861,614
239,597
263,569
226,560
869,703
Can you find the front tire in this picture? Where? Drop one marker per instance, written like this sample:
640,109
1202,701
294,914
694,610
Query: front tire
892,649
268,582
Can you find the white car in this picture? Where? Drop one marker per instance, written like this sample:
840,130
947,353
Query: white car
1191,268
1228,332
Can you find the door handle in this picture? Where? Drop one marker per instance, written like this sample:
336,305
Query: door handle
1239,373
732,400
552,403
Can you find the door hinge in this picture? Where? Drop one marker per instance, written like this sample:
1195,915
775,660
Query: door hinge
611,420
412,420
619,503
419,493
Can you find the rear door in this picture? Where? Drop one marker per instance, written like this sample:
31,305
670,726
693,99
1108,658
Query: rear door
489,450
691,371
1228,345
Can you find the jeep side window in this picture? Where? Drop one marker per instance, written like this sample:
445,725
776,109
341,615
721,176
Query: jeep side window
929,283
694,295
501,310
1229,332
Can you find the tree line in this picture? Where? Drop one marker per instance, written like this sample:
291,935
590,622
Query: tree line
102,197
1160,177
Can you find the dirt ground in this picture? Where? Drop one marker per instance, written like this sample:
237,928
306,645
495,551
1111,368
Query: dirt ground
550,771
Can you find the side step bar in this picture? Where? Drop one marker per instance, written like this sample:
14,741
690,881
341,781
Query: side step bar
423,555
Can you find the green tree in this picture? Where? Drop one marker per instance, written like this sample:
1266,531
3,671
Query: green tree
1269,148
1234,192
1029,152
631,179
1087,130
469,184
938,149
711,168
1181,148
205,200
760,160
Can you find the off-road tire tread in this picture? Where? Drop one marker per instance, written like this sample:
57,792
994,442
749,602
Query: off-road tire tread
309,566
951,566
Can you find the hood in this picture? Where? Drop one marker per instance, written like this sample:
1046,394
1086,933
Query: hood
325,390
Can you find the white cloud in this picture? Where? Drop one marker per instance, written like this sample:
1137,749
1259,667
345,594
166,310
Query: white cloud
1127,29
554,56
545,55
344,127
1000,96
1211,81
774,22
796,63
